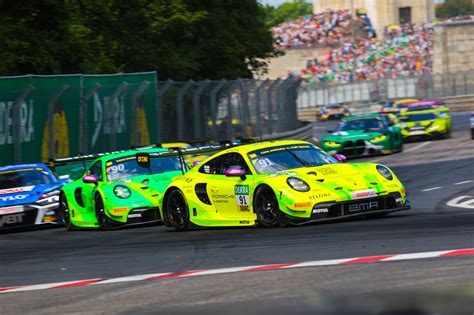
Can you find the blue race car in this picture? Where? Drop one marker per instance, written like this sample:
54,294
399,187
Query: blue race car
29,195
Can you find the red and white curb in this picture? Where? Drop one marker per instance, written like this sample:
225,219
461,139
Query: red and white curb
194,273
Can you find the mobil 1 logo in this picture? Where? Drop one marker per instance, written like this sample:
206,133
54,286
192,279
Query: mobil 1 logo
242,197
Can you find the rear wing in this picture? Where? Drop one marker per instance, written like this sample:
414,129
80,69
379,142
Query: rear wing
144,158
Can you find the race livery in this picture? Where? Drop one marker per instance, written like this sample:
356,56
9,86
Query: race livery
364,135
115,190
29,195
332,112
425,124
426,105
395,106
276,183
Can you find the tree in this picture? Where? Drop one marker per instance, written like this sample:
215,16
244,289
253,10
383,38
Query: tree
452,8
287,11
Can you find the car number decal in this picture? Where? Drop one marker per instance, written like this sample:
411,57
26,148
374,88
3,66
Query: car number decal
242,197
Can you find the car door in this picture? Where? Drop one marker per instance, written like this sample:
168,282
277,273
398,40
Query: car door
88,190
230,196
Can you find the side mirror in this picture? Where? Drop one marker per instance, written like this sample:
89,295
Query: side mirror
234,172
329,130
340,157
90,179
196,163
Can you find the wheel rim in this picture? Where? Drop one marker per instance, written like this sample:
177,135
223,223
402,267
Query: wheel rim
100,213
176,210
64,212
267,207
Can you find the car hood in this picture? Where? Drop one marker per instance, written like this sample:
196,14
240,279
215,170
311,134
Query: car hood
155,181
25,194
351,135
422,123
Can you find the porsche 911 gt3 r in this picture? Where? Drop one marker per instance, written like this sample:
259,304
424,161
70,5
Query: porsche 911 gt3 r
29,195
277,183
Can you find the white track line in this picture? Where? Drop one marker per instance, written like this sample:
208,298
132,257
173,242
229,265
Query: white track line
421,145
464,182
430,189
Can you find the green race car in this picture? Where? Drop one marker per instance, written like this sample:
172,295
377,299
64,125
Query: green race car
116,190
276,183
425,124
364,135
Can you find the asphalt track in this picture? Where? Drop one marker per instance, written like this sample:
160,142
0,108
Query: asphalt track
435,173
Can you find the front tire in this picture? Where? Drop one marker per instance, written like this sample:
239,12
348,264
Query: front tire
177,211
266,207
64,212
102,219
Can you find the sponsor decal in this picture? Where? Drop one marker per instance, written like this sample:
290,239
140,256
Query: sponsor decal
302,204
222,198
364,206
134,215
242,197
119,210
16,190
244,222
282,173
13,198
207,169
363,194
327,171
11,219
317,196
321,210
11,210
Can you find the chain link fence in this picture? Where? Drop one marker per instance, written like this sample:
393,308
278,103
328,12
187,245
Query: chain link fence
43,117
429,86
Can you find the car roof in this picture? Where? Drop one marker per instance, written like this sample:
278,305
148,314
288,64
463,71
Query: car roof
22,166
246,148
418,112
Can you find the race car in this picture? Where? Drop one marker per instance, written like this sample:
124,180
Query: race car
471,120
364,135
29,195
332,112
426,105
115,190
276,183
394,107
425,124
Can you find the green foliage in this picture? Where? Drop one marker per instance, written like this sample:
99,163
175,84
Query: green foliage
452,8
287,11
181,39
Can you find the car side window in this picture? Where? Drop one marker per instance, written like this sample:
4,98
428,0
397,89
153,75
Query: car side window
220,164
96,170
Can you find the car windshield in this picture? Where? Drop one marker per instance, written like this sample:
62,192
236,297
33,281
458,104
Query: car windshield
418,117
282,158
334,107
360,124
24,177
127,166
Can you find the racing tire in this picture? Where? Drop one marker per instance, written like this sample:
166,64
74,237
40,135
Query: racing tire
447,135
102,219
266,208
177,211
400,147
64,213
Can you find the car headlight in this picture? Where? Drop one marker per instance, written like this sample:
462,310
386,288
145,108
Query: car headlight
434,126
385,172
331,144
379,138
297,184
122,191
51,197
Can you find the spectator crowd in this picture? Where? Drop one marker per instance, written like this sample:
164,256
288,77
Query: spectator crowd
400,51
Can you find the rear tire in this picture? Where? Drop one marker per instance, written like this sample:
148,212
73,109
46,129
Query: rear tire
266,207
102,219
177,211
64,213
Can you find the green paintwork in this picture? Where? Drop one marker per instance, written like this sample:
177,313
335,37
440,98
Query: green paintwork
439,126
376,142
329,183
143,195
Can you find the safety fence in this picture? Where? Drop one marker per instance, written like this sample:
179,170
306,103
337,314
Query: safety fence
429,86
43,117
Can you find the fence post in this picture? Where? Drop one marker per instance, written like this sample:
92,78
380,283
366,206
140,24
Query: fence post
244,108
180,109
214,95
197,109
51,126
258,109
273,85
282,94
113,113
16,122
159,108
230,132
83,120
135,103
464,76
